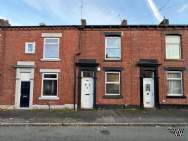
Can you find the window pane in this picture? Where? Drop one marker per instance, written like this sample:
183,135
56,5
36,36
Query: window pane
50,87
174,75
51,40
113,53
147,87
174,87
51,51
112,88
172,51
50,76
113,42
112,77
30,47
173,39
88,74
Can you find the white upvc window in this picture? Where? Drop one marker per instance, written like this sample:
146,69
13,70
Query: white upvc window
49,85
112,83
173,46
112,48
175,85
51,48
30,47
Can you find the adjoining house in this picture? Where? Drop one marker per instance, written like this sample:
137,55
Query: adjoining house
93,66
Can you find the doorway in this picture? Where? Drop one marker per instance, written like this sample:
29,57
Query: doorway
149,87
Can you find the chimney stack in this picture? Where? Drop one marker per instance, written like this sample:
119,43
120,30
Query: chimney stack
164,22
83,22
124,22
42,24
4,22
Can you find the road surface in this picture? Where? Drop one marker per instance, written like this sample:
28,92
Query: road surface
97,133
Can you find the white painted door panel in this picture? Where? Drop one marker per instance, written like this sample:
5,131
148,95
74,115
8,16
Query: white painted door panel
148,92
87,93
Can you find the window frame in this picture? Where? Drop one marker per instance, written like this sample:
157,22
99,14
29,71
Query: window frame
115,72
42,89
26,47
111,58
180,79
44,48
180,48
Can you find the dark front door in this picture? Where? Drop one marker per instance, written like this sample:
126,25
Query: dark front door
25,94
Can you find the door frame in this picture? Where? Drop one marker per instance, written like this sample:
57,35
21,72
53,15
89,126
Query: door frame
84,65
149,65
92,69
156,91
20,70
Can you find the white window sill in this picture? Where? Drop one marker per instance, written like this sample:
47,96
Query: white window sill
112,94
112,59
48,98
50,60
29,52
175,95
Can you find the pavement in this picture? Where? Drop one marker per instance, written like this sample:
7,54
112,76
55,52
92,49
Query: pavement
123,117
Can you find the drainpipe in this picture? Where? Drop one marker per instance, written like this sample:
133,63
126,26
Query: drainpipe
75,79
75,60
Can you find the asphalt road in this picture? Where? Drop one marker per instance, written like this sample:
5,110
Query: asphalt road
98,133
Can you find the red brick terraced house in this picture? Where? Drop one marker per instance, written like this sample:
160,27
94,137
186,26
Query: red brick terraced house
94,66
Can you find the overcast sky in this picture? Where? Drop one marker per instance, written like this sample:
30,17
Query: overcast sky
63,12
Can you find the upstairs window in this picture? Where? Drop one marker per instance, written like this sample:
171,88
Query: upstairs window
112,83
174,79
112,48
30,47
51,48
173,47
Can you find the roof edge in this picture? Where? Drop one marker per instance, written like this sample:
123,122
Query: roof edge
100,26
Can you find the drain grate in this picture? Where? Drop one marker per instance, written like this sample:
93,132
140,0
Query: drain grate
105,132
176,131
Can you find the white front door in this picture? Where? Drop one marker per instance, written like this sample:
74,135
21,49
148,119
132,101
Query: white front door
148,92
87,93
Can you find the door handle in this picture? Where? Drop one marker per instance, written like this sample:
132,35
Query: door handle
24,96
86,94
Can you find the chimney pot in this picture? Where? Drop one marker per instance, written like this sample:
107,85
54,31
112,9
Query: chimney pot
83,22
164,22
42,24
124,22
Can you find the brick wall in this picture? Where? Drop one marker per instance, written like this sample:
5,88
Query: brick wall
15,51
137,43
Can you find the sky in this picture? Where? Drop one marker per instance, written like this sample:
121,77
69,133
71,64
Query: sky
96,12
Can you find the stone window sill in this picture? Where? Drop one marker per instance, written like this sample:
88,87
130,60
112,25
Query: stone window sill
48,98
50,60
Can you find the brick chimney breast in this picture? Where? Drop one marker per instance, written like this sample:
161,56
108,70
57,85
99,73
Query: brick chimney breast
164,22
124,22
83,22
4,22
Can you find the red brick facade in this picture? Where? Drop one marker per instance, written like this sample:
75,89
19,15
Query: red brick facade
137,42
